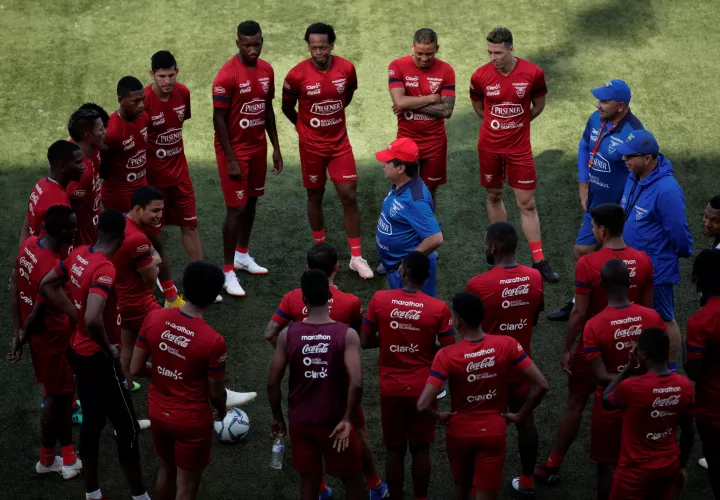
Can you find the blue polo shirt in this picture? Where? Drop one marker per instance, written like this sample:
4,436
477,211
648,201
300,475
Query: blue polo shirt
607,175
406,219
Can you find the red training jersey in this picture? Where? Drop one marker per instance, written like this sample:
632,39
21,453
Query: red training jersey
344,307
587,275
89,272
135,298
478,373
85,200
613,332
166,162
703,343
439,78
34,261
513,298
322,100
46,193
246,92
407,324
185,352
125,156
653,406
507,103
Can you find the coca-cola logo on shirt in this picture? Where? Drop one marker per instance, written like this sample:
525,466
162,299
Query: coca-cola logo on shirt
632,331
325,108
178,340
254,107
514,292
473,366
321,348
668,401
407,314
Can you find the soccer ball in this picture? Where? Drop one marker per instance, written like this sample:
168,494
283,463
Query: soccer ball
234,427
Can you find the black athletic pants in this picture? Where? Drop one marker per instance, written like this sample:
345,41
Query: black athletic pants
710,437
103,393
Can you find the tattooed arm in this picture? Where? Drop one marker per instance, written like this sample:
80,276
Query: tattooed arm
443,109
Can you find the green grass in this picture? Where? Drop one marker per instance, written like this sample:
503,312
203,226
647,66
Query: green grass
57,55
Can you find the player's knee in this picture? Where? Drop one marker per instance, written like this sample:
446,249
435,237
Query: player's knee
315,195
575,404
526,204
419,448
495,196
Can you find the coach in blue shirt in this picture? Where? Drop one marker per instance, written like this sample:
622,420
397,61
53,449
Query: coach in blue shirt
407,221
601,169
654,206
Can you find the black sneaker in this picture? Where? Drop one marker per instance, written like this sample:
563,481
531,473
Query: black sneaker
562,314
381,270
546,271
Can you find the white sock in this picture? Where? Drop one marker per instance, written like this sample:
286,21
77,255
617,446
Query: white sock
144,496
241,256
94,495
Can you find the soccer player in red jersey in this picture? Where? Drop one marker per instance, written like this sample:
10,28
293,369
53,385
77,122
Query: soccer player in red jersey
66,165
478,370
325,390
701,365
652,406
137,268
608,337
405,324
188,370
167,104
507,93
49,336
322,87
87,130
345,308
422,88
608,221
243,91
83,286
513,298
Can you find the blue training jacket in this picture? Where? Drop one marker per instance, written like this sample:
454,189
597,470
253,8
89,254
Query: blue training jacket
607,175
656,221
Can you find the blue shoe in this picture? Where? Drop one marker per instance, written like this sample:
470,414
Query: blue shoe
77,416
325,495
381,492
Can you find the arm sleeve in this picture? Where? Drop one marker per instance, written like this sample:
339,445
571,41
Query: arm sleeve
448,88
422,219
672,214
188,112
439,370
446,335
370,321
696,341
103,280
291,87
395,76
271,84
590,341
222,91
142,338
583,157
218,358
476,90
282,314
539,87
622,394
583,285
61,266
139,250
522,360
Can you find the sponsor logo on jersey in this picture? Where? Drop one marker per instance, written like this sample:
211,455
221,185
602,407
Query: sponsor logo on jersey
482,397
474,366
219,90
26,299
600,164
128,143
173,374
313,89
506,110
412,81
506,304
137,160
317,336
514,292
412,348
640,213
631,319
517,279
169,137
511,327
340,85
665,390
326,108
481,352
264,83
244,88
30,255
142,248
632,331
254,107
407,303
179,340
180,112
434,84
107,280
521,88
320,348
313,374
411,314
383,225
492,90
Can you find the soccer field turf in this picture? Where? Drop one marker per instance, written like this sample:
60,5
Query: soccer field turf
56,55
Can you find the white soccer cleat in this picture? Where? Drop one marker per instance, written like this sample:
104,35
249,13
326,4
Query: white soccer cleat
442,394
56,466
70,471
360,266
248,264
235,399
232,285
218,299
144,424
703,463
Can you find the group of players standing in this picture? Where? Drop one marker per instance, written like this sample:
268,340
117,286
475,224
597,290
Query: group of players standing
84,279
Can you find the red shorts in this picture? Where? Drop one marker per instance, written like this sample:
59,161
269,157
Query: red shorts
179,204
339,163
402,423
433,165
605,434
53,372
517,167
119,202
133,320
310,446
253,168
187,447
638,485
358,421
581,382
479,460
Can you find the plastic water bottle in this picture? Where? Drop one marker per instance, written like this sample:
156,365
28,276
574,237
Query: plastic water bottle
278,448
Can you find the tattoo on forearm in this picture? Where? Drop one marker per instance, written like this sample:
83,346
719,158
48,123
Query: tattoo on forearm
442,110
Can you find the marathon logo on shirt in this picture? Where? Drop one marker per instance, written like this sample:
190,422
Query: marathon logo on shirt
254,107
317,336
434,84
640,213
481,352
492,90
600,164
244,88
665,390
518,279
383,225
521,88
310,89
180,328
614,141
407,303
412,81
137,161
264,83
180,112
158,119
395,208
340,85
129,143
31,255
169,137
631,319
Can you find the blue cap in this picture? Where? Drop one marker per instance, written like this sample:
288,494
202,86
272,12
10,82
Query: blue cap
614,90
639,141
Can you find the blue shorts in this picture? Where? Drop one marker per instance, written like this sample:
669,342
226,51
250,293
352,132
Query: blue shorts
664,301
429,287
585,235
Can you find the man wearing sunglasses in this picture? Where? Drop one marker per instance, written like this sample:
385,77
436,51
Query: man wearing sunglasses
654,206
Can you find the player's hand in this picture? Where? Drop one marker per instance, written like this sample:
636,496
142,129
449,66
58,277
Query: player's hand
16,350
633,361
342,433
112,352
435,98
219,416
277,162
444,417
681,481
234,170
583,187
565,362
513,417
277,427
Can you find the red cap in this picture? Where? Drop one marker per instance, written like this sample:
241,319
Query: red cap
402,149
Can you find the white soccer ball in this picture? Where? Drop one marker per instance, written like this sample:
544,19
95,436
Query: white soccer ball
234,427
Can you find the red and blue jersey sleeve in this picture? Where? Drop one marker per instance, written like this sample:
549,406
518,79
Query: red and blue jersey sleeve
223,87
539,87
291,85
476,86
283,313
446,335
138,250
621,396
186,98
145,334
395,76
448,84
271,86
218,358
696,341
583,281
440,370
422,219
590,340
522,360
103,280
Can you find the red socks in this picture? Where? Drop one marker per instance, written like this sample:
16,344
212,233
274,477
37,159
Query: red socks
323,485
241,250
319,236
169,290
374,481
355,247
527,481
47,455
228,269
68,454
536,250
555,460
